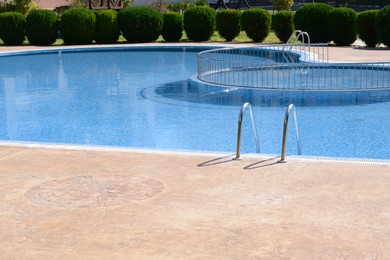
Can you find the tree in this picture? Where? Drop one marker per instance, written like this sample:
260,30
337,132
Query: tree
283,4
25,6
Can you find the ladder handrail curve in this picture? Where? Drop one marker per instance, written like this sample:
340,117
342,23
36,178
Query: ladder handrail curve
296,34
290,108
240,118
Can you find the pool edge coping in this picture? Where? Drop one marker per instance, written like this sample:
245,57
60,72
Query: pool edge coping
247,156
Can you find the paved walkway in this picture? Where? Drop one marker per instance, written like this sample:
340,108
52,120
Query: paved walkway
86,203
356,53
80,204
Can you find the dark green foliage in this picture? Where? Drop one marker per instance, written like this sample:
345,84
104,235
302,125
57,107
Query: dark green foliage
312,18
283,25
383,25
366,28
201,3
12,26
41,27
256,23
342,26
140,24
7,7
228,23
60,9
78,26
107,28
172,29
199,23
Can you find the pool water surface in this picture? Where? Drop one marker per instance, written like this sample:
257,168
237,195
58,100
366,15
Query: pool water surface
149,98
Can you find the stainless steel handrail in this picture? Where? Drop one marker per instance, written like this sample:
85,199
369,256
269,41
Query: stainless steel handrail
297,34
285,125
240,117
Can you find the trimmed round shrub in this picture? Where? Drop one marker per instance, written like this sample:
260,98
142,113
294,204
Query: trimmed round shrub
366,28
383,25
41,27
283,25
140,24
78,26
172,29
256,23
107,28
199,23
12,27
313,19
342,26
228,24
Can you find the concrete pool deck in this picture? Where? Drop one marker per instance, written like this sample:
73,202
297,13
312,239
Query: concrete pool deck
69,202
356,53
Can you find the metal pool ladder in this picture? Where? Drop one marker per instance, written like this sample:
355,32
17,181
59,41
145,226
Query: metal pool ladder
290,108
296,34
294,37
240,117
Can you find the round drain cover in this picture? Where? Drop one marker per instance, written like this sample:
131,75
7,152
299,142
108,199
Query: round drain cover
94,191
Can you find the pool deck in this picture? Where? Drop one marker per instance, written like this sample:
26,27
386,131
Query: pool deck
69,202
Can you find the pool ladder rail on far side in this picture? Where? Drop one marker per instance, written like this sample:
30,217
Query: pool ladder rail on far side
292,41
290,108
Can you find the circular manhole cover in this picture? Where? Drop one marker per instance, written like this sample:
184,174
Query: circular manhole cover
93,191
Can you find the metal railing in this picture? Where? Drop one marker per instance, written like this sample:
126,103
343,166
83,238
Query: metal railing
266,68
229,66
240,118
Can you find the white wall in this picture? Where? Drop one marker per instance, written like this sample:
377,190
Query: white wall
51,4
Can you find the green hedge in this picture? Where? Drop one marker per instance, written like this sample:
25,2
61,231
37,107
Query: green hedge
383,25
313,19
12,28
78,26
107,28
199,23
41,27
256,23
342,26
366,28
283,25
172,29
140,24
228,23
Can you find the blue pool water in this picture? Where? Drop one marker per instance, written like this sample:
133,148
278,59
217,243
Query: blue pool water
147,98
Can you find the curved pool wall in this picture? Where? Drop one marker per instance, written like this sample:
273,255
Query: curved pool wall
195,91
144,97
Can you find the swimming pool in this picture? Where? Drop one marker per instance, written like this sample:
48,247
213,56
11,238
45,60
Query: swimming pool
147,97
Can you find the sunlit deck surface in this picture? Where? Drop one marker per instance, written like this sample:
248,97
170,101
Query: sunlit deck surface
69,202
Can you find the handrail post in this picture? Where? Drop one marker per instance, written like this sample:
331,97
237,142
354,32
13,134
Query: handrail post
240,118
285,126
